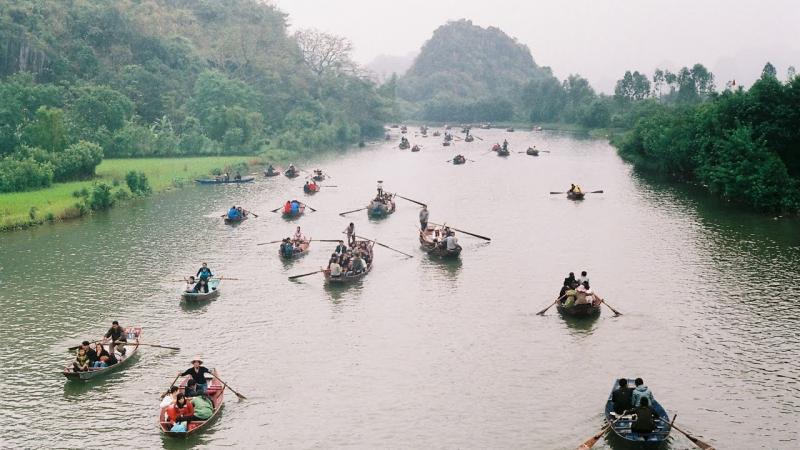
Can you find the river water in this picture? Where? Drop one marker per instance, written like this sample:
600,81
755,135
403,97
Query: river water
421,353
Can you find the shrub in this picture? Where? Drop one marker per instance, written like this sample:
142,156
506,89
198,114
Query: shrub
137,183
100,197
78,161
23,175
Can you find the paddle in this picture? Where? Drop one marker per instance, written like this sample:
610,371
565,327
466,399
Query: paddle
610,307
477,137
170,387
294,277
329,185
270,242
593,440
590,192
276,209
695,441
312,209
412,201
70,349
149,345
466,232
324,240
227,386
386,246
355,210
541,313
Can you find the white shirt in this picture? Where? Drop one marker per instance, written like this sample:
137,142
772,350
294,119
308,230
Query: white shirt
583,279
336,270
423,215
166,401
451,242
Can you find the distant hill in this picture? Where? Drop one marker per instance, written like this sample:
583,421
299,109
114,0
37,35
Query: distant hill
466,60
383,66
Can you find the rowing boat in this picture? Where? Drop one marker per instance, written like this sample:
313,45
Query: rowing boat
469,138
459,160
132,335
404,145
299,250
576,195
291,215
532,151
311,188
349,277
503,152
582,310
319,177
221,180
215,392
214,286
236,220
446,143
415,148
274,173
621,425
431,240
377,209
291,173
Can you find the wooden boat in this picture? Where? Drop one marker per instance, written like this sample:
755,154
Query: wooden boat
377,209
622,427
299,212
532,151
584,310
292,173
215,391
469,138
319,177
415,148
311,188
446,143
274,173
351,277
222,180
233,221
502,152
459,160
510,130
404,145
299,250
576,195
430,240
214,286
132,334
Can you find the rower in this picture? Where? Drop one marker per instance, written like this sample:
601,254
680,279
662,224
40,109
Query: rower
298,235
270,169
295,207
117,334
451,243
197,372
423,218
584,278
380,188
621,397
350,231
641,392
234,213
646,418
505,144
204,272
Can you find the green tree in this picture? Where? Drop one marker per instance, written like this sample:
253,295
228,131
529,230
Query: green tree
47,130
769,71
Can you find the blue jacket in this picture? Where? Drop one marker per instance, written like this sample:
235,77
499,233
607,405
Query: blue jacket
641,392
233,213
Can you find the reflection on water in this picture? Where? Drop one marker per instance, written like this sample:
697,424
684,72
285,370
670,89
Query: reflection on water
421,352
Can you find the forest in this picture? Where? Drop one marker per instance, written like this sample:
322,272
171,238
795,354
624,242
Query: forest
83,80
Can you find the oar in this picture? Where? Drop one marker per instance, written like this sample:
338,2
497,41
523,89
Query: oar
276,209
227,386
386,246
270,242
227,278
695,441
541,313
477,137
312,209
412,201
466,232
294,277
69,349
611,307
149,345
355,210
324,240
593,440
596,192
170,387
329,185
254,214
551,193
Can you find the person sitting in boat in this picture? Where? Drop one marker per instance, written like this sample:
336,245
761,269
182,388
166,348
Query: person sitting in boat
570,280
102,357
345,261
287,249
201,286
81,363
270,169
198,373
190,285
340,248
190,390
641,392
335,267
117,334
170,397
582,294
646,418
226,177
584,278
298,235
238,176
295,207
451,243
622,396
203,408
313,185
180,412
357,264
287,208
204,272
234,213
291,169
505,145
570,296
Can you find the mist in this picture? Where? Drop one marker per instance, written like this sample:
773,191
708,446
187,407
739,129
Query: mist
598,39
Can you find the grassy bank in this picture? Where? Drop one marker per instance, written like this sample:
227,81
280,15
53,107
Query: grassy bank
23,209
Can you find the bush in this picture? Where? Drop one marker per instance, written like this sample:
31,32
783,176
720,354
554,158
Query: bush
24,175
137,183
78,161
100,197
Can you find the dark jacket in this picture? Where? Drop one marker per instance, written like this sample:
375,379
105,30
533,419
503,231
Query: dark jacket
645,420
197,375
622,399
117,335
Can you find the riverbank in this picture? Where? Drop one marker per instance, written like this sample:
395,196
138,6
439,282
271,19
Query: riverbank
58,202
522,126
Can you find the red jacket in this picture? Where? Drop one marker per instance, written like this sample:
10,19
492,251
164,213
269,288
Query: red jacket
173,412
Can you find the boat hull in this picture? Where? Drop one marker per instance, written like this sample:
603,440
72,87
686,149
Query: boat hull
215,391
222,181
133,334
622,427
576,195
426,242
214,287
585,310
378,210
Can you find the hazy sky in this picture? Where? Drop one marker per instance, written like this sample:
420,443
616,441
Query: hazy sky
599,39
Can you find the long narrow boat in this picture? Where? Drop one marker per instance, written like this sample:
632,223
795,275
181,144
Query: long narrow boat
431,242
621,425
214,286
299,250
291,215
215,392
221,180
576,195
132,334
234,221
377,210
349,277
583,310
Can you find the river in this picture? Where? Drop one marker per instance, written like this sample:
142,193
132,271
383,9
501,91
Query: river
421,353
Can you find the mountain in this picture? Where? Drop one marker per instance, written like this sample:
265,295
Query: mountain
383,66
466,60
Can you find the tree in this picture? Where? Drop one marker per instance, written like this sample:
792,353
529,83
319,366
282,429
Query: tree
632,87
791,72
658,82
769,71
47,130
544,98
323,53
